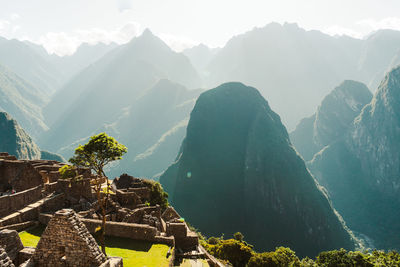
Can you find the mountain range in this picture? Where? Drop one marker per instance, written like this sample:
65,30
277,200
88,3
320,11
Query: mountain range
359,167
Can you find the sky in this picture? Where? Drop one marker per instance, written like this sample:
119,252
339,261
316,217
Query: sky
62,25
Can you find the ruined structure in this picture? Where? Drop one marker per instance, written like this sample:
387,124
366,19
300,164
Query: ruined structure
67,241
33,192
5,261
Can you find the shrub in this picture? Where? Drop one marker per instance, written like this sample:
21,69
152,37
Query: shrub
68,172
237,253
280,257
157,194
238,236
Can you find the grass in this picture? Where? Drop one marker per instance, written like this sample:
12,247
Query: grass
134,253
31,237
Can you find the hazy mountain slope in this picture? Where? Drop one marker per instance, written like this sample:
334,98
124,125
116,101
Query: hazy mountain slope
292,67
15,141
153,128
122,74
200,56
295,68
378,52
30,65
237,171
361,171
101,92
22,101
334,116
84,56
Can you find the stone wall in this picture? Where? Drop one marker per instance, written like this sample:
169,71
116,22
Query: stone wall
127,199
11,242
67,242
20,175
14,202
118,229
75,189
31,212
5,261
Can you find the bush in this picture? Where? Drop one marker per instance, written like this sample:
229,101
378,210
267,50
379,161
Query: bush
238,236
237,253
157,194
280,257
68,172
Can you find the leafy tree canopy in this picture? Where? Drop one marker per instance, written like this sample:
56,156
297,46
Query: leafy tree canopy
98,152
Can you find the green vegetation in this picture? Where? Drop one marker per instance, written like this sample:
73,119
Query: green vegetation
138,253
31,237
157,194
95,155
134,253
239,253
68,172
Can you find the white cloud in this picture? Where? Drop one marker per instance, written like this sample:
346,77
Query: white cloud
15,16
177,43
62,43
386,23
124,5
340,31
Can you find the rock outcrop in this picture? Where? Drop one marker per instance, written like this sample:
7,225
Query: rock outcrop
237,171
361,171
333,118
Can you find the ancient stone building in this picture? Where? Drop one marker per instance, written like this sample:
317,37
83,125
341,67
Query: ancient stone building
5,261
67,242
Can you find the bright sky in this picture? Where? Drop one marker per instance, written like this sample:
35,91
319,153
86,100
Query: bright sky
62,25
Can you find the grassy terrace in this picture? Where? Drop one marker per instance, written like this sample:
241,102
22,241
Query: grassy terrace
134,253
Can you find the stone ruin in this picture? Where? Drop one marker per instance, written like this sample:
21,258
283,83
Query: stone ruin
67,242
38,194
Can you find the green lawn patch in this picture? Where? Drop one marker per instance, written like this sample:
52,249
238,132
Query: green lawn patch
134,252
31,237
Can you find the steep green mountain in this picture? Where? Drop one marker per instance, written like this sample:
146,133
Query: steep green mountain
22,101
295,69
15,141
361,171
334,116
27,63
237,171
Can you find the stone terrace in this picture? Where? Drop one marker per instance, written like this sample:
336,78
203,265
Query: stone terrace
33,191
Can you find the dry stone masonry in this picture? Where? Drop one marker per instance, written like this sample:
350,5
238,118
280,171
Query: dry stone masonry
67,241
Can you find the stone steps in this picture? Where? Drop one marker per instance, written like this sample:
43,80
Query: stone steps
28,213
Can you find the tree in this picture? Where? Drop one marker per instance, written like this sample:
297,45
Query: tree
238,236
95,155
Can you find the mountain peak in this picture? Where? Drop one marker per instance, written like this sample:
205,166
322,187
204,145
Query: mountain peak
15,141
236,164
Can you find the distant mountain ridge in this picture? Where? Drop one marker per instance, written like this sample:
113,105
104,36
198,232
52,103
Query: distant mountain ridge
361,170
99,94
334,116
295,68
23,101
237,171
